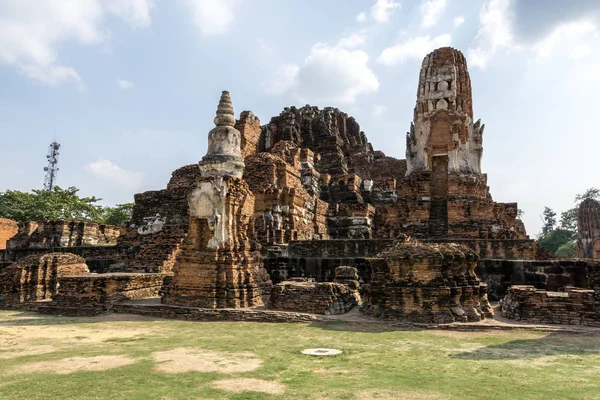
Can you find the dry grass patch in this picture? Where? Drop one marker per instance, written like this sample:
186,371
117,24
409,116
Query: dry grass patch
76,364
371,394
21,351
200,360
239,385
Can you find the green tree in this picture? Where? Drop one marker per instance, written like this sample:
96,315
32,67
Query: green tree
567,250
59,204
556,238
591,193
549,218
561,240
117,215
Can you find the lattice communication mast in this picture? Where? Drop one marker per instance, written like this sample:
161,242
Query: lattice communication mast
52,167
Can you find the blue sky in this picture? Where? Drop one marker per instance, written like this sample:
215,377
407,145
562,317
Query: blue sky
130,87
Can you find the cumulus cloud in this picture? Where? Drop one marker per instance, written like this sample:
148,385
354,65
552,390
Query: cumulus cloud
458,21
495,32
213,17
106,170
353,41
378,110
567,36
124,84
284,80
329,74
31,30
414,48
382,10
362,17
431,10
135,12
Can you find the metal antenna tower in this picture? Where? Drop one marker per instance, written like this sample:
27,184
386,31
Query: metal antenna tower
52,167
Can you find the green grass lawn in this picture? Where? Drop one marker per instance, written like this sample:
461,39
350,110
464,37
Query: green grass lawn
375,364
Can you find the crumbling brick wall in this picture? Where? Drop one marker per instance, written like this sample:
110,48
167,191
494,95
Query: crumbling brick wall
63,234
574,306
96,294
550,275
8,229
158,225
36,277
305,295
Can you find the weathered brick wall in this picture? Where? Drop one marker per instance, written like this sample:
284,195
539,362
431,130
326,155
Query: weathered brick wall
547,274
97,294
8,229
159,224
313,297
574,306
61,234
35,277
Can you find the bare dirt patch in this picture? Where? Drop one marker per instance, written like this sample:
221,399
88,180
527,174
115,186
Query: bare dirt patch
17,335
76,364
21,351
200,360
371,394
239,385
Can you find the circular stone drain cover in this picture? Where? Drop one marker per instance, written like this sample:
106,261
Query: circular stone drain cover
321,352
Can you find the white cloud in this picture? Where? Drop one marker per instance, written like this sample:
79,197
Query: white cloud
458,21
382,10
106,170
580,51
283,81
431,11
124,84
567,36
31,31
135,12
414,48
333,75
213,17
353,41
495,32
378,110
362,17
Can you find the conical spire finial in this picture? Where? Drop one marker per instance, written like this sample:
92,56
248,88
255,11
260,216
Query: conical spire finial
225,116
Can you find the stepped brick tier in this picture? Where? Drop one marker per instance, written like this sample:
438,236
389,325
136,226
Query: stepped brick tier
574,306
306,193
36,277
426,282
97,294
8,229
588,223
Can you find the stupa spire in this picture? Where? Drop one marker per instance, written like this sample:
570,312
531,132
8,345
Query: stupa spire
224,154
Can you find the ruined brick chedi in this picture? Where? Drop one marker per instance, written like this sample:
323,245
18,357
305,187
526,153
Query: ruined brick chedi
218,266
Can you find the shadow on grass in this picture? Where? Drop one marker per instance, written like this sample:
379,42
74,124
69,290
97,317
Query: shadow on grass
359,326
553,344
32,318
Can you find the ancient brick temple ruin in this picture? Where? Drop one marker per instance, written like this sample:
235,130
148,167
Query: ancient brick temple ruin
588,222
302,214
